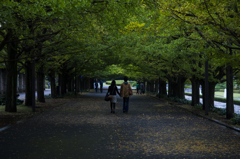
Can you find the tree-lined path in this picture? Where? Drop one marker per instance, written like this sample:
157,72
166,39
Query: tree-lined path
84,128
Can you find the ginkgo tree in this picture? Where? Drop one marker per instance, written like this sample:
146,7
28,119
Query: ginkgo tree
31,20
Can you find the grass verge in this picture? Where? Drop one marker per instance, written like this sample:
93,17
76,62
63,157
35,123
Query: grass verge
219,99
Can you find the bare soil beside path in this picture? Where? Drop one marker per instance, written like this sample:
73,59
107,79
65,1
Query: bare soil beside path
83,127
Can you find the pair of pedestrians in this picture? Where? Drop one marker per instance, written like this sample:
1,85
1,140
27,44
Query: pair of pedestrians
96,86
125,92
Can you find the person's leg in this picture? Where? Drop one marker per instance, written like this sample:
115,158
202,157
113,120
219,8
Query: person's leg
126,104
113,107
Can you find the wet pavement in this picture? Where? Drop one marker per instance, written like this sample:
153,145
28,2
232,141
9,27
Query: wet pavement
84,128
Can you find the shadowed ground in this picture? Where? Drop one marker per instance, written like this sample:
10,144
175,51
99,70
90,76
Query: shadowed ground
85,128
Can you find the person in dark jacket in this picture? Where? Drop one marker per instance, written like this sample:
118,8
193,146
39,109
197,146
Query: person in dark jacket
113,90
101,86
96,85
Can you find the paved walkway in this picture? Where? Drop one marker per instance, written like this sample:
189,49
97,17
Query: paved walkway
216,103
85,128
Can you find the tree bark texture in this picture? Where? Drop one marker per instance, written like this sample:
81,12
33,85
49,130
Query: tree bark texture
69,83
177,87
63,82
28,81
195,91
11,78
230,106
152,86
91,83
53,84
163,89
40,85
148,86
211,93
203,92
180,90
156,86
170,90
77,84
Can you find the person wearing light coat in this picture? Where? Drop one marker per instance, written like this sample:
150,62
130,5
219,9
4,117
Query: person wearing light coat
125,92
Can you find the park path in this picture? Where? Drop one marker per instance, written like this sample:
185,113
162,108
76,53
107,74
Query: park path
216,103
84,128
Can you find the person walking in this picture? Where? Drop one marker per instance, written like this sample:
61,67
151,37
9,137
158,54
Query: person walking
137,87
142,88
101,86
112,90
96,85
125,92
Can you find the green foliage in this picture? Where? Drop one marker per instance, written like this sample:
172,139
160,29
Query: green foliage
220,99
236,119
220,111
3,100
175,99
200,106
179,100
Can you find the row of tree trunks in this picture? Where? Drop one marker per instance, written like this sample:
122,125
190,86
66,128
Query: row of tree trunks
176,87
153,86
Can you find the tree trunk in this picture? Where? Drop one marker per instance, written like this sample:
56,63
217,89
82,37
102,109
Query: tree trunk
174,89
53,84
195,91
203,92
180,89
91,83
63,82
69,83
40,85
72,83
11,78
156,86
148,86
211,93
170,90
77,84
162,86
152,85
230,106
28,81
